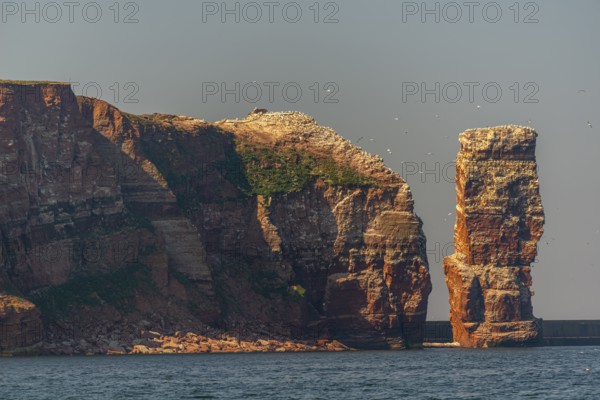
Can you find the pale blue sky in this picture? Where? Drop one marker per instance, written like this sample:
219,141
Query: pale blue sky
368,54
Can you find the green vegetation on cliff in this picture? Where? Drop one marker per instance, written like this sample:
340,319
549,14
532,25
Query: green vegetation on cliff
270,171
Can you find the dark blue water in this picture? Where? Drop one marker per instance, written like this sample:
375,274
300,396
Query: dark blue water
535,373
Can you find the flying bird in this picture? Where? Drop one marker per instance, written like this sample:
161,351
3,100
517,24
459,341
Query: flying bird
359,139
589,124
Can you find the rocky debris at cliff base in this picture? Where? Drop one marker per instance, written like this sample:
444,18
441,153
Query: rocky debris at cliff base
154,334
437,345
152,342
191,343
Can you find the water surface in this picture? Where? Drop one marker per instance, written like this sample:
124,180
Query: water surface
532,373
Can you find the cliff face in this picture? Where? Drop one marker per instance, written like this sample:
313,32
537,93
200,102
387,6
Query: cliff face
110,220
499,222
62,212
300,229
63,221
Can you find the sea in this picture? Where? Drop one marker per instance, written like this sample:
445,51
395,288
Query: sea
444,373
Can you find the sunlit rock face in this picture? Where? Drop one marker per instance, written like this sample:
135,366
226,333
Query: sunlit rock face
500,219
20,325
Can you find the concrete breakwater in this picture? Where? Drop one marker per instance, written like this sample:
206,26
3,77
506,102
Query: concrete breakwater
555,332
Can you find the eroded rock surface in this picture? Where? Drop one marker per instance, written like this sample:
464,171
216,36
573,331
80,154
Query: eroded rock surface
499,222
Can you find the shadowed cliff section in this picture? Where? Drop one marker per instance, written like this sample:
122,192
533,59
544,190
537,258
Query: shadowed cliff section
270,223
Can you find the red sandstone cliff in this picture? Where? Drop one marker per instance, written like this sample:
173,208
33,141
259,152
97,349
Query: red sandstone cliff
499,222
112,223
62,215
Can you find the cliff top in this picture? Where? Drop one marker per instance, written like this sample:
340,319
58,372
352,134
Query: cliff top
35,91
293,129
506,142
289,130
506,129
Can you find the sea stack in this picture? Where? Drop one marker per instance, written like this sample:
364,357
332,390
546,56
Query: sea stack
499,220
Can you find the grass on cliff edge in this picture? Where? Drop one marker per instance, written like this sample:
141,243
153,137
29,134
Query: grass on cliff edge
269,172
117,289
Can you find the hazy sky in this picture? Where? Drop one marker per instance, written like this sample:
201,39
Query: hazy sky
374,58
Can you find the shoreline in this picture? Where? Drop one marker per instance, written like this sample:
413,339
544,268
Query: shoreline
212,347
155,343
